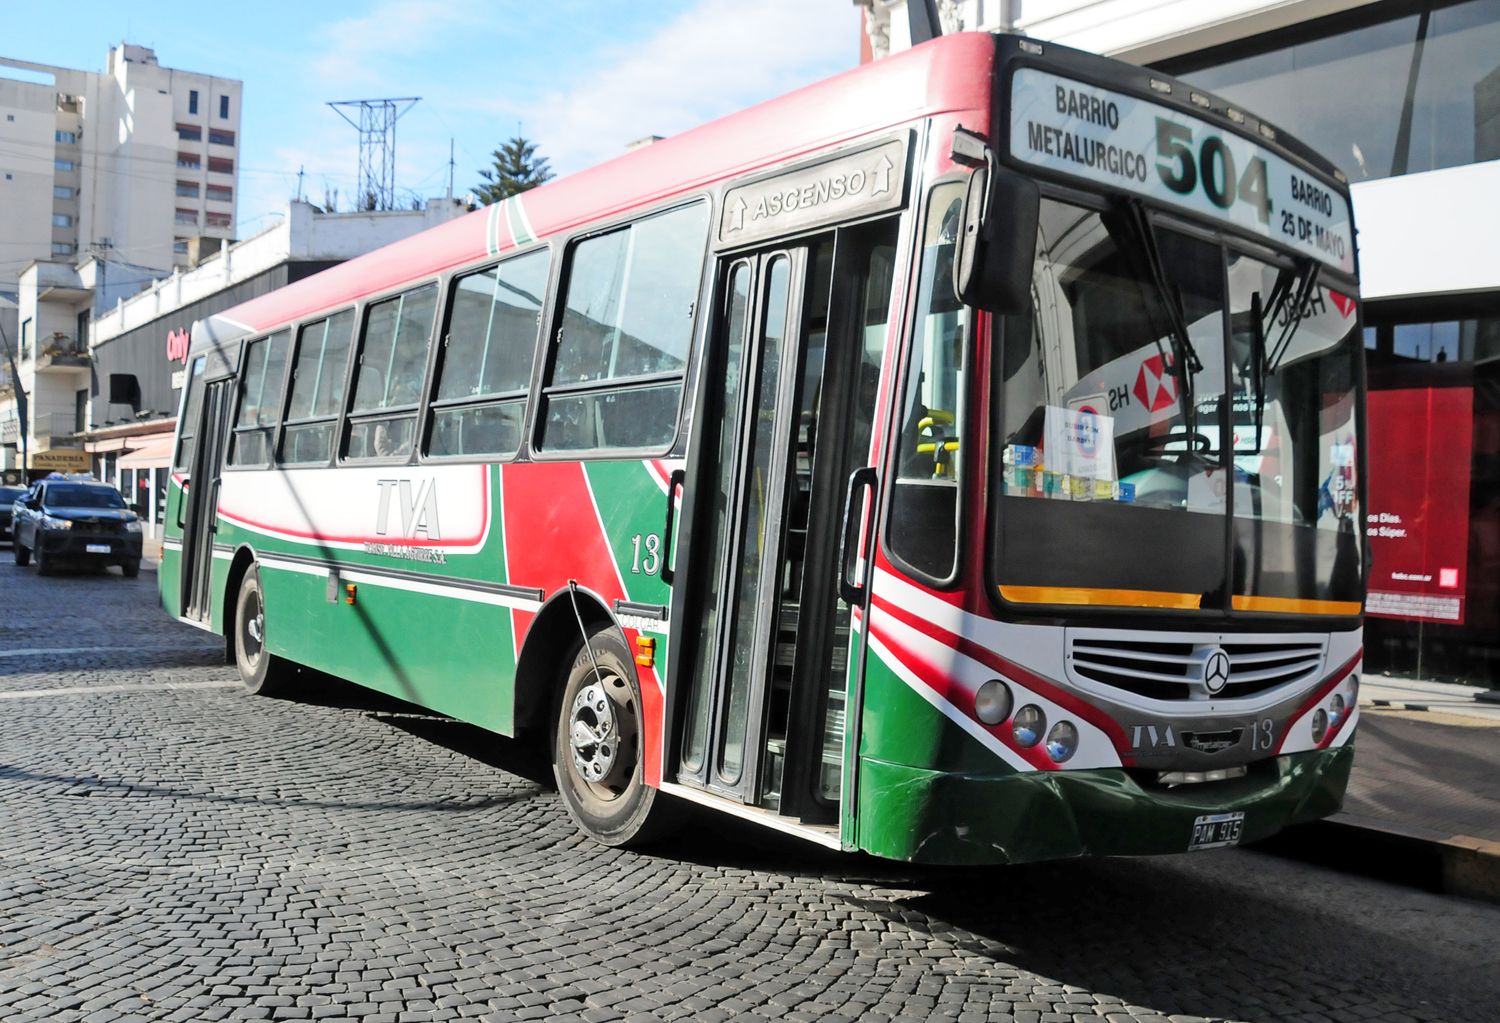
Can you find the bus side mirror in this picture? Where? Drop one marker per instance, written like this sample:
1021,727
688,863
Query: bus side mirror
998,247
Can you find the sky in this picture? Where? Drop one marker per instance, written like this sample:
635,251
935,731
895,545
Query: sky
580,78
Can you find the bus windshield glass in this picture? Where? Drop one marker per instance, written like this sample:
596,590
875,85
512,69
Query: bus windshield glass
1214,472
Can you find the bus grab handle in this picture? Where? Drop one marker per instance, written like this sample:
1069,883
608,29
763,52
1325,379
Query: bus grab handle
673,483
860,479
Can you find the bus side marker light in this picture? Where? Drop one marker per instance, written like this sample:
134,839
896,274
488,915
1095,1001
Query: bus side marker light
349,591
645,648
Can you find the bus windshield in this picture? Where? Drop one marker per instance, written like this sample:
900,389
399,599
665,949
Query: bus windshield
1126,445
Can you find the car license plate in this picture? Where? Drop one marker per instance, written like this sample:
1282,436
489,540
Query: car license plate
96,548
1217,829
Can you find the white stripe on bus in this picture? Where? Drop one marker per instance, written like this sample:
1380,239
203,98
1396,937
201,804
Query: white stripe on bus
435,589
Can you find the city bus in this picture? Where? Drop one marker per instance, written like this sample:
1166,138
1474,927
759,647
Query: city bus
959,460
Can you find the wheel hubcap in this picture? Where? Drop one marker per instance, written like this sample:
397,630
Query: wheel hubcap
593,733
255,626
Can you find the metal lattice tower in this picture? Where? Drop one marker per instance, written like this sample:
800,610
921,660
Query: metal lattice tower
376,124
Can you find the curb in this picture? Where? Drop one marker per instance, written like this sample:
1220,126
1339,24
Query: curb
1451,864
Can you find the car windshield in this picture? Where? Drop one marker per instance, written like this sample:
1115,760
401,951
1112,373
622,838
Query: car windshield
1101,410
66,495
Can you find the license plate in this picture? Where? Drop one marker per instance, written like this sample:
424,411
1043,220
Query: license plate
1216,830
96,548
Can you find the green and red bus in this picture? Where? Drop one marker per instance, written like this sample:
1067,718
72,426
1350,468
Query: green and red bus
958,460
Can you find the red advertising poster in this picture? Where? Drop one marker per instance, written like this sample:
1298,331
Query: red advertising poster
1420,454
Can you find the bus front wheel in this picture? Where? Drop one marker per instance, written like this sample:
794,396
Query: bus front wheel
597,747
261,672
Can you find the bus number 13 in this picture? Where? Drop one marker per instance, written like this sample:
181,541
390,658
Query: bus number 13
651,543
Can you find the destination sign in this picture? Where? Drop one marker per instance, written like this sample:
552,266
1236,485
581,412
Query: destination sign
1155,151
858,185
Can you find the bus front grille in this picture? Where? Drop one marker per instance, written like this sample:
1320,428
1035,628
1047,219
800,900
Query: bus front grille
1185,669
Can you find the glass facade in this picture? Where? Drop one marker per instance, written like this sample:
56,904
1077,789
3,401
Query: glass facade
1435,585
1415,93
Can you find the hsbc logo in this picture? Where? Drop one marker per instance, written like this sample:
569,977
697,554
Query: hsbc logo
1155,388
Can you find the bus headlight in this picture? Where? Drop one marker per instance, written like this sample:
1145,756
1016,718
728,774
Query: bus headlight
1336,710
993,702
1028,725
1319,724
1062,742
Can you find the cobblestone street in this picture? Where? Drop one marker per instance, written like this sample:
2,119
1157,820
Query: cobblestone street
171,849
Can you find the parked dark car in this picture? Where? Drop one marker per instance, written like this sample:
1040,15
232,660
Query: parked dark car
79,520
8,497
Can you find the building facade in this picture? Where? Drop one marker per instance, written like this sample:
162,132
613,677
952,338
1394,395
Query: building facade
1404,96
108,405
127,164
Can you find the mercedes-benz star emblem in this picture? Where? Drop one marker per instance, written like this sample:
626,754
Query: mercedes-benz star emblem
1216,671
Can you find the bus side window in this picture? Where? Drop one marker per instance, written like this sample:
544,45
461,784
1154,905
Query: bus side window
628,310
923,529
388,375
317,389
262,377
485,360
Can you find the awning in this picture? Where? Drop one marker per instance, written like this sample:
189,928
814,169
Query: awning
155,453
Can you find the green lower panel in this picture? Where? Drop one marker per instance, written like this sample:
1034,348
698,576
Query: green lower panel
451,656
908,813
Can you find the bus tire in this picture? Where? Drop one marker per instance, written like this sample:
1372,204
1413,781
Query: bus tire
262,673
597,749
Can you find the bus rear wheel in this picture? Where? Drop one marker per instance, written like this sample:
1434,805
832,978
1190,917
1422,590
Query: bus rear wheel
597,750
262,673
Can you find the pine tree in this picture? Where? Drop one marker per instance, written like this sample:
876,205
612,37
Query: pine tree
517,168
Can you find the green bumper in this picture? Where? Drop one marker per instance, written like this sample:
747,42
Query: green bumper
924,816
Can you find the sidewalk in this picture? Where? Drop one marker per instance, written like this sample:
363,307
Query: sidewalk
1425,793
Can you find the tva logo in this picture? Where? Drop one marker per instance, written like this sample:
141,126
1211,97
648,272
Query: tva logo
177,345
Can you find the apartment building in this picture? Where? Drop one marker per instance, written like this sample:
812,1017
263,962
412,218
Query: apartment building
127,164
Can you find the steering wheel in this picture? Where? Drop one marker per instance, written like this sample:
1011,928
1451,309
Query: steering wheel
1198,443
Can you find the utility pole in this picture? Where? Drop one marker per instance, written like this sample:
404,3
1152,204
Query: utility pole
300,171
450,168
376,123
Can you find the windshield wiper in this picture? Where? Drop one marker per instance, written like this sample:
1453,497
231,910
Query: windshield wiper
1185,361
1304,279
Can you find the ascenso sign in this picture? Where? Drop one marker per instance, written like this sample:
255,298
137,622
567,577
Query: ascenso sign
1138,146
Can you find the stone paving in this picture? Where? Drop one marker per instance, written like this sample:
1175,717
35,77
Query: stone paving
171,849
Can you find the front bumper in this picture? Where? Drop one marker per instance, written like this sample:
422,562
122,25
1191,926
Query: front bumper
71,543
909,813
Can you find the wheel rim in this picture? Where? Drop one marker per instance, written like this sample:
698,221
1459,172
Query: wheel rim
252,630
603,732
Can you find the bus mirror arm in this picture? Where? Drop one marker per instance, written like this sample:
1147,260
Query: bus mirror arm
673,485
859,480
997,248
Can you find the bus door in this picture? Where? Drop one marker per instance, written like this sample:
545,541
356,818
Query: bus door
202,502
780,461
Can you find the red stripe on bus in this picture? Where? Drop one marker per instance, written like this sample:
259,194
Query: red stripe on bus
1075,706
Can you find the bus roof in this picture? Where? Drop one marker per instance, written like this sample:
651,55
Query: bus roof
949,74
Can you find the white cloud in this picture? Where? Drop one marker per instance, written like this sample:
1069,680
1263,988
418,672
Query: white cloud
715,58
360,47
